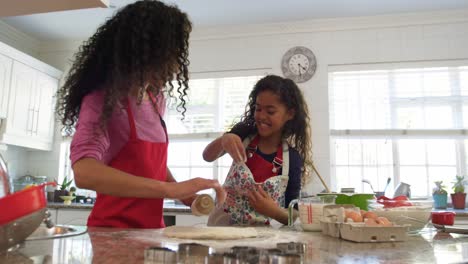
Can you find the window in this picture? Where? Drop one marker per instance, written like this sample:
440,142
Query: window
401,121
214,105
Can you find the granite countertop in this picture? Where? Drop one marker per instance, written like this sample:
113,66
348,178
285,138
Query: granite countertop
109,245
168,207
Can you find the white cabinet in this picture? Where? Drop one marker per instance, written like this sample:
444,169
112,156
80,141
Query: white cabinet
30,114
27,89
5,73
190,220
73,216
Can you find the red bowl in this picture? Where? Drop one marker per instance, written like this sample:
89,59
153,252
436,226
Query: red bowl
22,203
443,218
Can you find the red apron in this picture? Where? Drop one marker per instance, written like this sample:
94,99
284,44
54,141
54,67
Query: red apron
260,168
143,159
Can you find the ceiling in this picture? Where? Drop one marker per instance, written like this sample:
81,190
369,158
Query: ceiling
80,24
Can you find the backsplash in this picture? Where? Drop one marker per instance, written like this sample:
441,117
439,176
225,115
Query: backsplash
16,157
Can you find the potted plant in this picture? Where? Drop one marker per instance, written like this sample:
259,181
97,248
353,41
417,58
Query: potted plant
458,195
62,189
439,194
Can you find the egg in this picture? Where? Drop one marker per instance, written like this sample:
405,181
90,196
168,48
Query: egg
370,215
370,222
354,216
383,221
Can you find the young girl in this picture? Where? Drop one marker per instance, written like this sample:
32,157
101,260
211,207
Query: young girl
273,139
114,95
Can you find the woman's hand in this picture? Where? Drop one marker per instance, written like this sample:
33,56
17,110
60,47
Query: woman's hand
232,144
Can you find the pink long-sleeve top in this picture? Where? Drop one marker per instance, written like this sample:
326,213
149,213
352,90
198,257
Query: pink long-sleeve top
86,143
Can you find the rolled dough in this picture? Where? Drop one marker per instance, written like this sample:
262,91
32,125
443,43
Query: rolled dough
212,232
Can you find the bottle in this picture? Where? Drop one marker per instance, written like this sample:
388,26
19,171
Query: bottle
202,205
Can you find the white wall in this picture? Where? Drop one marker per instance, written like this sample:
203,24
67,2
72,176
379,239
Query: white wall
408,37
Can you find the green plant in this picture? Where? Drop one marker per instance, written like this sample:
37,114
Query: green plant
459,184
65,183
439,189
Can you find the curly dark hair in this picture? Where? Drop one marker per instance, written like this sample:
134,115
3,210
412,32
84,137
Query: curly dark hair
296,131
143,47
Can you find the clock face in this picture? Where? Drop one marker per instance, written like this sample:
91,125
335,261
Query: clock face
299,64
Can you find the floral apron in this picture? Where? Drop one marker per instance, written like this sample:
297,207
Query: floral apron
237,210
144,159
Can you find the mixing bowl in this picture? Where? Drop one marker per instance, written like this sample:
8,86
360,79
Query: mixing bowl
22,213
360,200
415,213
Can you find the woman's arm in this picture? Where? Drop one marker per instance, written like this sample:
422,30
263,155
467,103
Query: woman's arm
227,143
94,175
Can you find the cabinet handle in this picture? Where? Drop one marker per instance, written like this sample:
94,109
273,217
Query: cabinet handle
37,121
30,120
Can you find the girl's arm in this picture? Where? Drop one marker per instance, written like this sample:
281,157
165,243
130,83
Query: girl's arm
230,143
94,175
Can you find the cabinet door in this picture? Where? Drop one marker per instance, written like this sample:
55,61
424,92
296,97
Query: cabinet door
190,220
5,75
43,125
72,216
20,110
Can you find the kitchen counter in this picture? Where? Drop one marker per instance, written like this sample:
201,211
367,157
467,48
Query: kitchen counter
108,245
168,207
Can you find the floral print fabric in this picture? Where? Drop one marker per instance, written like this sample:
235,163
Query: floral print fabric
238,182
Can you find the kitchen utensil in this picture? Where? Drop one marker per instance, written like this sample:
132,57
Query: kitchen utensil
4,178
202,205
443,218
370,184
22,203
386,185
415,213
15,232
451,229
403,189
321,179
310,211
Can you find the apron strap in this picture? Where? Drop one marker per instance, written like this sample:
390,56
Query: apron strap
154,100
285,162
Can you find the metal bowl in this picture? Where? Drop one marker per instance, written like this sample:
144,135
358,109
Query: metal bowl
22,213
18,230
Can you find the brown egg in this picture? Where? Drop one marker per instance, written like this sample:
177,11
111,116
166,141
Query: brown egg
370,222
383,221
355,216
371,215
363,212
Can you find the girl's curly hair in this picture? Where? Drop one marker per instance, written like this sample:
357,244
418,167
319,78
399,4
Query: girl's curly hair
143,47
296,131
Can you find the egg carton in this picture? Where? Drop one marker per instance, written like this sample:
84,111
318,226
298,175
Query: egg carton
359,232
333,225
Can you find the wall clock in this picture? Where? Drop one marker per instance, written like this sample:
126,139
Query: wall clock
299,64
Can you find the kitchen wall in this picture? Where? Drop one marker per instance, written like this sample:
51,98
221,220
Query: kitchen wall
405,37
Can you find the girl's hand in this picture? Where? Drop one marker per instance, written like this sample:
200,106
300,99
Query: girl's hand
261,201
232,144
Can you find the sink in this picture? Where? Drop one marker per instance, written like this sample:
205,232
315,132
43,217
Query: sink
58,231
